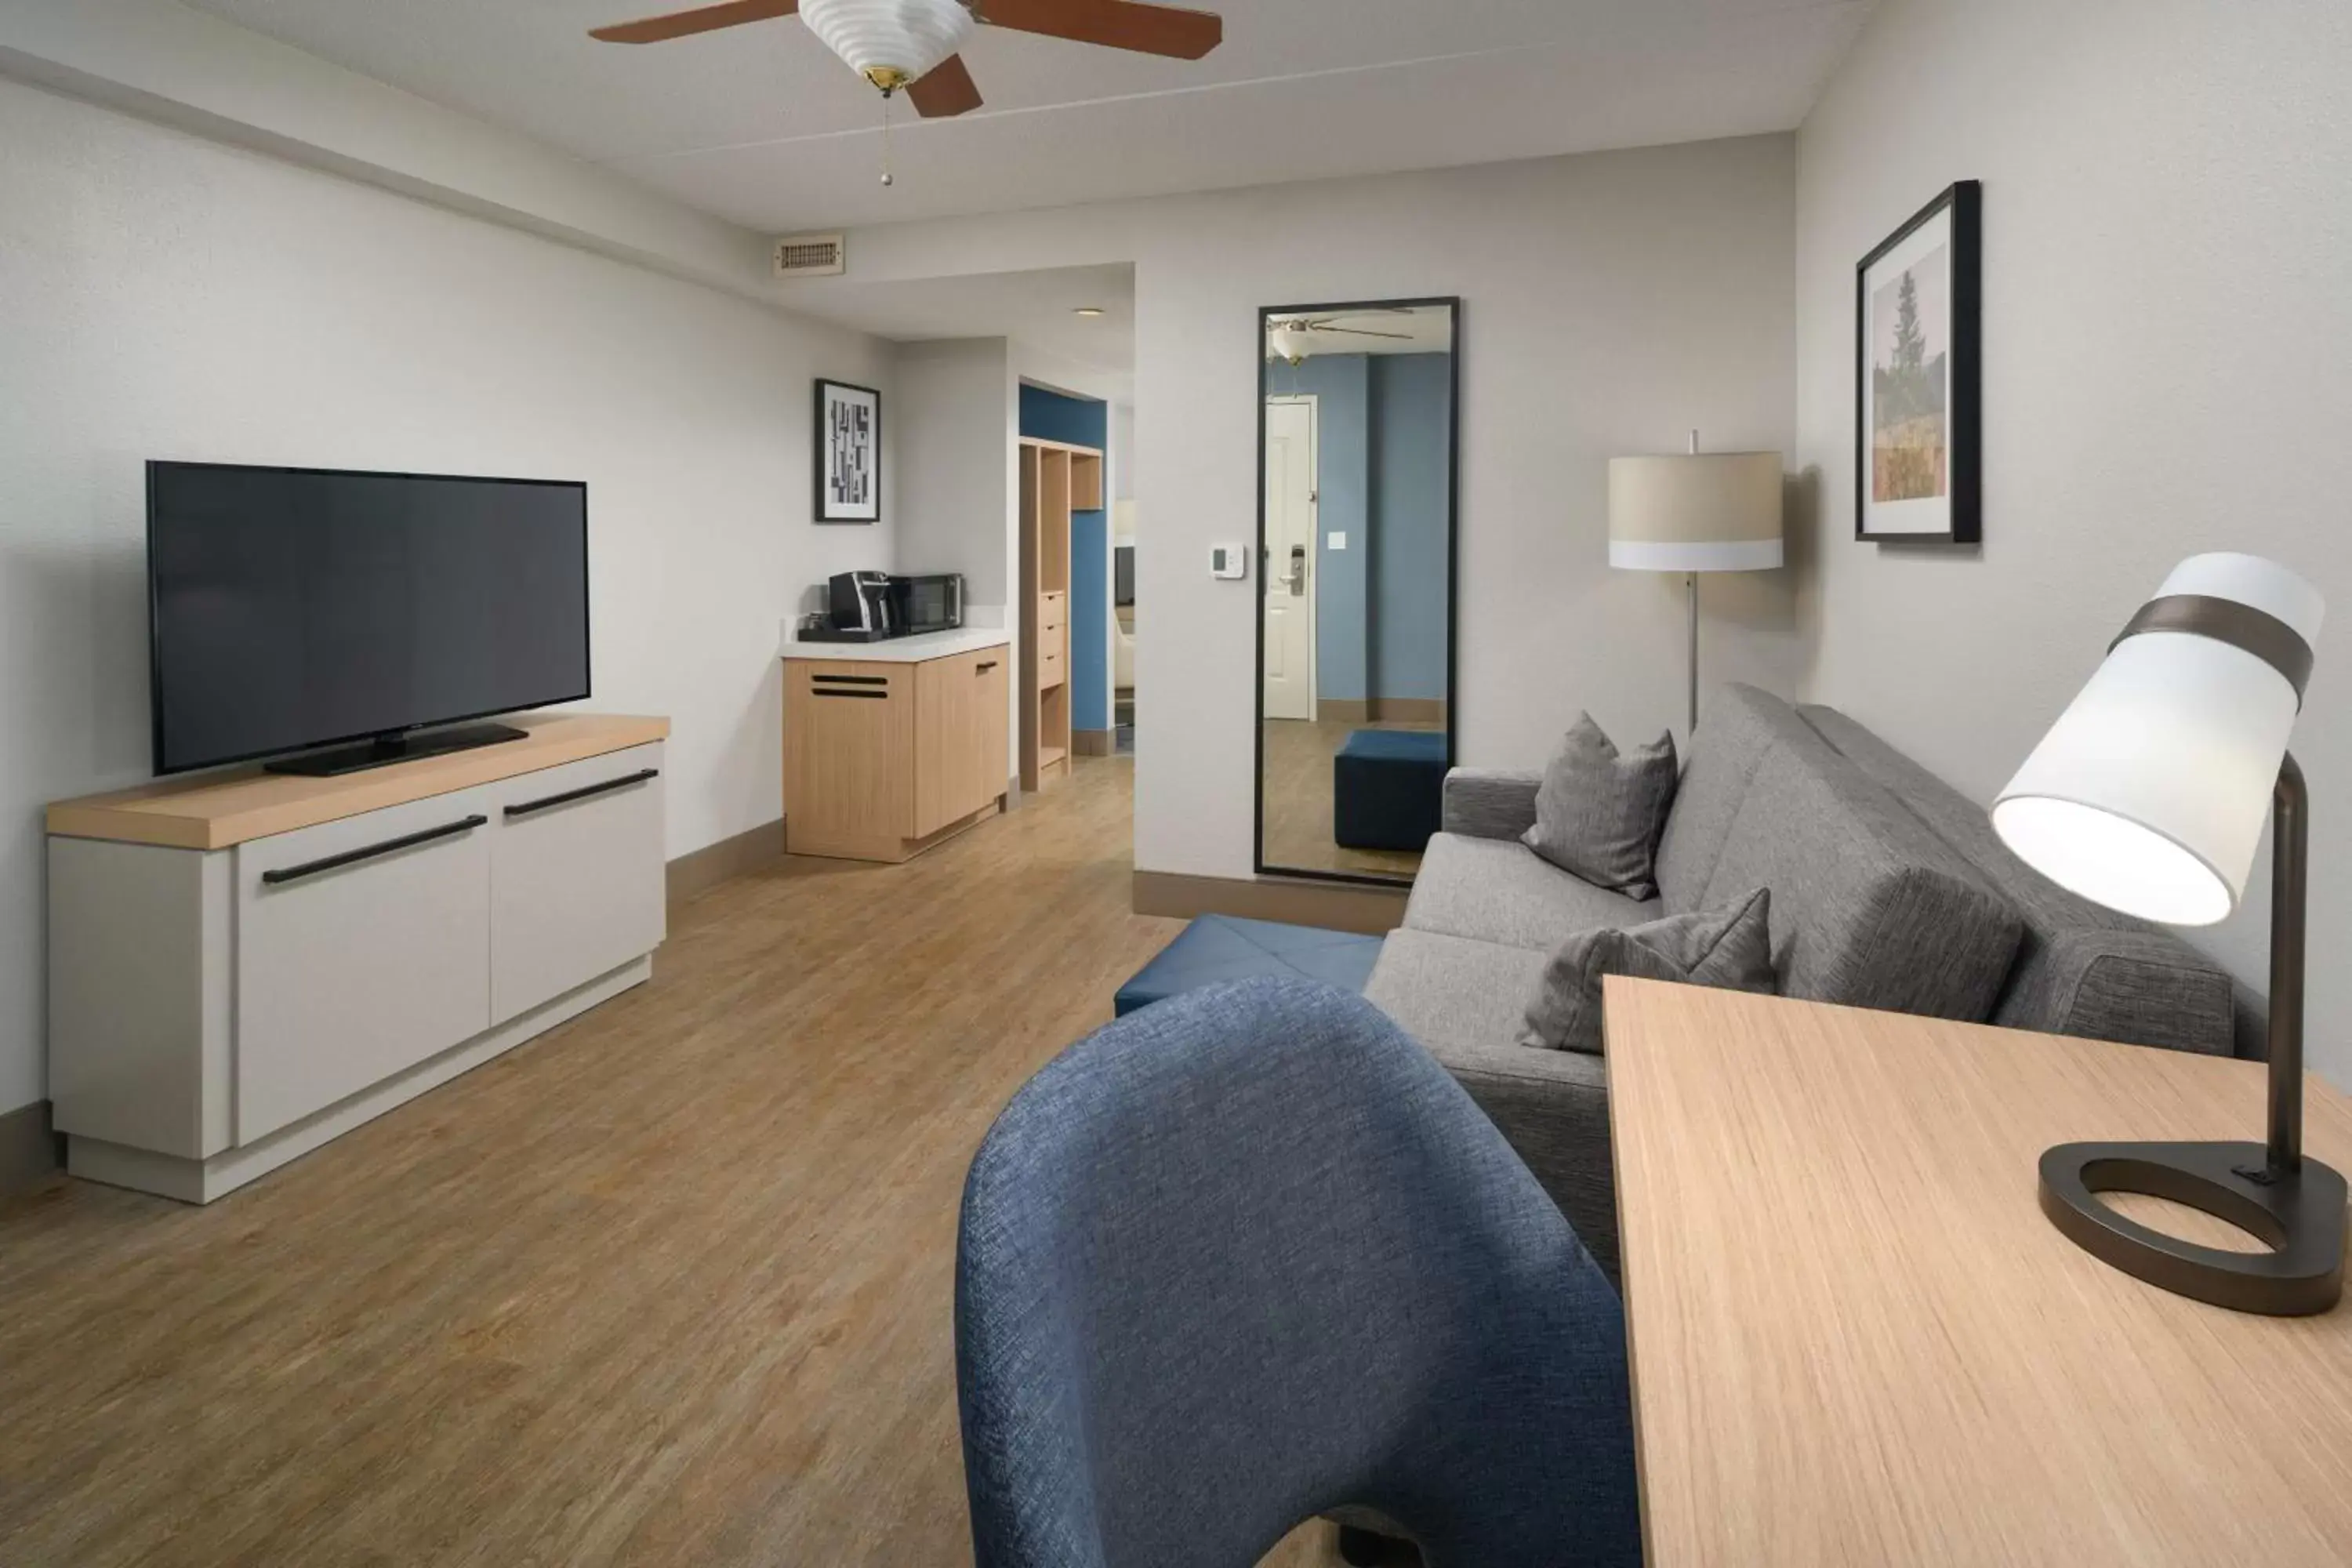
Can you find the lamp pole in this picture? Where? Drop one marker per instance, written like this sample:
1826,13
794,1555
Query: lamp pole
2290,860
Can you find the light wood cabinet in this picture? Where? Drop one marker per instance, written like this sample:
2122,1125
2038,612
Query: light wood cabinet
884,760
1056,479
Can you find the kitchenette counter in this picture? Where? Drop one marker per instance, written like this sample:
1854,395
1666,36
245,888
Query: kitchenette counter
917,650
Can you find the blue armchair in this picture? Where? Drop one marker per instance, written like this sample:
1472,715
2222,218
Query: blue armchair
1249,1256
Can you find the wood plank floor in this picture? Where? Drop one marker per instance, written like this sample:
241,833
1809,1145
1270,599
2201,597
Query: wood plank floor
670,1284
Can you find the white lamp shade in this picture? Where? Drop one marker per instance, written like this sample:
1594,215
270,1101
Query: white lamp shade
2150,792
882,39
1710,512
1289,343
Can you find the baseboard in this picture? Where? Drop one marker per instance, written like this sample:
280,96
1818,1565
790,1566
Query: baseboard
1381,710
29,1152
1093,742
1375,912
715,863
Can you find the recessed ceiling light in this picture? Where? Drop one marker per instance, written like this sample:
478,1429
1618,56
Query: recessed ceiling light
1088,310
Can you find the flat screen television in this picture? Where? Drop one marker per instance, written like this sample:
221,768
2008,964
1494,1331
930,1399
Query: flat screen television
296,609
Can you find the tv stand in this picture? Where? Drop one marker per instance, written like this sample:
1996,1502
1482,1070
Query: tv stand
244,966
394,746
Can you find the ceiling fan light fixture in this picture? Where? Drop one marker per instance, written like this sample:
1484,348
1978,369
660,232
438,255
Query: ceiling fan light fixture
1290,342
890,42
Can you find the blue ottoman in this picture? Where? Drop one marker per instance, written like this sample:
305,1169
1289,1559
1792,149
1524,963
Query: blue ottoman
1386,789
1221,947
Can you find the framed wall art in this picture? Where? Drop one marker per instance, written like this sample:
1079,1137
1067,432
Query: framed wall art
1918,432
848,453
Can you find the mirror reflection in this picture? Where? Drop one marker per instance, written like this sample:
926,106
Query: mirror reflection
1357,438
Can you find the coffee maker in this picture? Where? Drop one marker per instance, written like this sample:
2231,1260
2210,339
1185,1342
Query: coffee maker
862,608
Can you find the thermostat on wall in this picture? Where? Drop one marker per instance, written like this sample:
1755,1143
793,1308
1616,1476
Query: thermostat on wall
1229,560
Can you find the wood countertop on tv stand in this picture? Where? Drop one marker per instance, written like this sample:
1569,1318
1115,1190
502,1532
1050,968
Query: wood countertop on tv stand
216,810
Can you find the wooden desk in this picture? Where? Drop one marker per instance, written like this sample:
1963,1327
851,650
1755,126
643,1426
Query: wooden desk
1855,1339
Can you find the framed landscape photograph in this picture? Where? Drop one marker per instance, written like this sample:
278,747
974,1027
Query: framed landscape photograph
1918,303
848,453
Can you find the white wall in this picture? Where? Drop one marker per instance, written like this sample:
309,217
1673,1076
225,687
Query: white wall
1610,303
178,65
2167,369
163,296
954,462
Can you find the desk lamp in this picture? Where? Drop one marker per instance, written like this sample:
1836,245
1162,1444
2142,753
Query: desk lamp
2148,797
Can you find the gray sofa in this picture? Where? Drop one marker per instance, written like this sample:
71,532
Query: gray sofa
1889,890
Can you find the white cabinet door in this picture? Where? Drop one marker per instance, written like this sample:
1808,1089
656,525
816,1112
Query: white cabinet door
362,948
577,876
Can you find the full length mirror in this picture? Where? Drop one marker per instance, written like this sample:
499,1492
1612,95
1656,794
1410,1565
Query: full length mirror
1357,444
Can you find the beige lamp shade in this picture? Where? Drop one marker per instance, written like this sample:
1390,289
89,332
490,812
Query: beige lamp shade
1708,511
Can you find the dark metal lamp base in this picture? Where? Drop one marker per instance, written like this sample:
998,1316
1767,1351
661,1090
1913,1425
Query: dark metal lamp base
2298,1212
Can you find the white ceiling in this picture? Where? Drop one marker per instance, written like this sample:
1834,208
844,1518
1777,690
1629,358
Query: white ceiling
1038,309
761,125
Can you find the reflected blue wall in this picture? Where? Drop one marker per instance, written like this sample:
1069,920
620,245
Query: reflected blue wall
1082,422
1384,425
1412,404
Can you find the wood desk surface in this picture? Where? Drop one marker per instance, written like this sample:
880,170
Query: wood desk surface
1856,1340
216,810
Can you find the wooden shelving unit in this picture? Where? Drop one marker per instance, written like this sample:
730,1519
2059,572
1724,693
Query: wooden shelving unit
1055,480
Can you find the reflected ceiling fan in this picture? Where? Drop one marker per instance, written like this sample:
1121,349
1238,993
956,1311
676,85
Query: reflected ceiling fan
1288,337
913,44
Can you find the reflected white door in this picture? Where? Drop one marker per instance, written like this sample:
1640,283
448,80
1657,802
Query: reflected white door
1286,574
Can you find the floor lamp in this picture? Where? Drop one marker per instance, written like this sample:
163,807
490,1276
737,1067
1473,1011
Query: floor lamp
1711,511
2149,794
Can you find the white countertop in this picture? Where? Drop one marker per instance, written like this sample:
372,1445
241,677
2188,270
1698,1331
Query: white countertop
900,650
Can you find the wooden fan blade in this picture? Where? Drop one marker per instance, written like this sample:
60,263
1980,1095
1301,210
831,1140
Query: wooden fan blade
1147,30
945,91
706,19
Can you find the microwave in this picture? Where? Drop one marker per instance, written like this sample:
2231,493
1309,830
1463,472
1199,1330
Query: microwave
933,604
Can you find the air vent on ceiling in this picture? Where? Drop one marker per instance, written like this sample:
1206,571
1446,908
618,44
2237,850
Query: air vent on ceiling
810,256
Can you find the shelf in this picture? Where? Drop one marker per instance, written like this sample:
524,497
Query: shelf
1049,755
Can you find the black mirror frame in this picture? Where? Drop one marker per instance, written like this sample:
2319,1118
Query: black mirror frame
1266,316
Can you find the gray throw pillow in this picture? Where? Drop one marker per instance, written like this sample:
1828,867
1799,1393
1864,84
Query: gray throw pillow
1599,811
1730,947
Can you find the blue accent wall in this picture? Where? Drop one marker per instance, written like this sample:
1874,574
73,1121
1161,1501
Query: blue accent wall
1341,387
1412,421
1082,422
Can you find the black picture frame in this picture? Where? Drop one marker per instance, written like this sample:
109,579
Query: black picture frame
822,436
1963,519
1266,317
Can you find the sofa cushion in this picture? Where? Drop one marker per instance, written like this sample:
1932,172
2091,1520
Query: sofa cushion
1497,890
1869,909
1737,731
1598,810
2081,968
1729,947
1451,992
1460,999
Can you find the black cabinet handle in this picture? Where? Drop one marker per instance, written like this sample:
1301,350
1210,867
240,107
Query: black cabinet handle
870,696
582,792
984,668
851,680
353,856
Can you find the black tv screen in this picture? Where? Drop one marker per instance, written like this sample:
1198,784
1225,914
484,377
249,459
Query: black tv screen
293,607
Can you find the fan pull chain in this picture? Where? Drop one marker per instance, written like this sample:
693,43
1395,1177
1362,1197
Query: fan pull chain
887,178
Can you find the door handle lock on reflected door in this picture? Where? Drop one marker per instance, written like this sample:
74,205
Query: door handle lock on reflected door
1296,580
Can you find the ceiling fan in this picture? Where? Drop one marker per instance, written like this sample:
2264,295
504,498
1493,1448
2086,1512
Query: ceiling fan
1287,337
913,44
